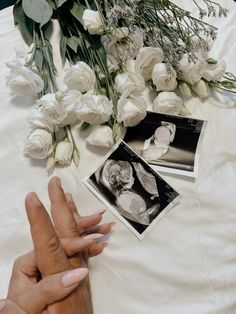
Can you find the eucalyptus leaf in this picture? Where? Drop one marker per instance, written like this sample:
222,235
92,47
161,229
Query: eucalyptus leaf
73,43
211,61
38,10
24,24
77,11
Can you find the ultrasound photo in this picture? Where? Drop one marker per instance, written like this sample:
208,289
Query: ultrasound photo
169,143
133,191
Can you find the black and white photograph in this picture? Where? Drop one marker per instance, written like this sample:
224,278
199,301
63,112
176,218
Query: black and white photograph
169,143
133,191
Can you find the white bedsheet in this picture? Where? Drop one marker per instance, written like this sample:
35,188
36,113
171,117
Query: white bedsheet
187,263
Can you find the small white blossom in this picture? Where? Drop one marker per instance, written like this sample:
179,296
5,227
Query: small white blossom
92,22
100,135
164,77
131,110
94,109
38,144
80,77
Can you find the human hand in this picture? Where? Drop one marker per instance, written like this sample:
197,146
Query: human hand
26,295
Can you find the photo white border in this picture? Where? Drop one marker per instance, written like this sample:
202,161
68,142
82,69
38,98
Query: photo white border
85,180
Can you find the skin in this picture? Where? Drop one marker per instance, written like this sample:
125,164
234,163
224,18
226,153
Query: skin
60,244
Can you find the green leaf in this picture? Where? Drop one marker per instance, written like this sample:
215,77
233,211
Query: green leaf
38,59
73,43
77,11
38,10
63,44
24,23
60,3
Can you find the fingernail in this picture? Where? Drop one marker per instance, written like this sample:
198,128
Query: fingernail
35,198
69,197
94,236
100,212
74,276
105,244
2,304
112,223
58,182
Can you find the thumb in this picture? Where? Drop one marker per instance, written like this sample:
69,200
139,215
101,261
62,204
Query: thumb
51,289
9,307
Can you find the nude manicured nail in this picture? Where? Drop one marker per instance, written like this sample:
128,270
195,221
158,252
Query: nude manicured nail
112,223
59,182
100,212
74,276
94,236
35,198
2,304
69,197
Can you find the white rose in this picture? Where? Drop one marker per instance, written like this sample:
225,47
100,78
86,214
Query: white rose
80,77
146,59
214,72
202,89
22,80
91,21
70,101
164,77
129,83
94,109
190,72
168,102
37,120
122,45
63,153
131,110
101,135
38,144
53,111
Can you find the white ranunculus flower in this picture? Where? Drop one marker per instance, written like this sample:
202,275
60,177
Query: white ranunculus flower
70,101
92,22
37,120
131,110
38,144
100,135
63,153
190,72
52,110
94,109
168,102
164,77
129,83
80,77
121,45
22,80
146,59
202,89
214,72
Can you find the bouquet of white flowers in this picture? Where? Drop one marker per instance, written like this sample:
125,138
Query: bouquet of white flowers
121,52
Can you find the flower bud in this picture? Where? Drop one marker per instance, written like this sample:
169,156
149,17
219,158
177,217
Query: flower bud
64,152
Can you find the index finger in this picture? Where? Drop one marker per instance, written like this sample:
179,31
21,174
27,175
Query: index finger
50,256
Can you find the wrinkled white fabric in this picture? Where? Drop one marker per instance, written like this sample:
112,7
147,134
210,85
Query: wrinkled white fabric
187,263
